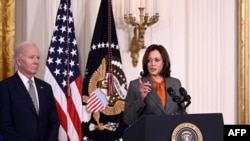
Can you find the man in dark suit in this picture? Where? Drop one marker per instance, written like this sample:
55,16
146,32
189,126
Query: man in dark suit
21,117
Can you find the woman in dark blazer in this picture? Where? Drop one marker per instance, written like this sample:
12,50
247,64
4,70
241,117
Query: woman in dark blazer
148,95
19,120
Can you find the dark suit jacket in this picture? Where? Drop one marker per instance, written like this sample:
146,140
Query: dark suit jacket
18,118
135,107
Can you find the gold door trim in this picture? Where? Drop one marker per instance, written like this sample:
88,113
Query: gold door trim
243,70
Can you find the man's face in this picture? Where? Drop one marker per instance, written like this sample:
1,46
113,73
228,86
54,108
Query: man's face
28,61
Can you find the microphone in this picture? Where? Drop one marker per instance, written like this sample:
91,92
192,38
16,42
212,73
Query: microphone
175,98
186,97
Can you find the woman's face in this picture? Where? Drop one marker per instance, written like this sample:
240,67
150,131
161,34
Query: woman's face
155,63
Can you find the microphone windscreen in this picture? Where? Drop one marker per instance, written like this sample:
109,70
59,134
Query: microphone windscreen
171,91
182,91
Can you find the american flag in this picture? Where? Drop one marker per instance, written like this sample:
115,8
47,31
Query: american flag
104,83
63,73
97,101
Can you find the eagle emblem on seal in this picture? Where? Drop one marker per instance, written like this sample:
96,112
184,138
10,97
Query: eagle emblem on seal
100,100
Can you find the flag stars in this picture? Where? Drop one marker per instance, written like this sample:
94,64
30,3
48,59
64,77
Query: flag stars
72,63
66,62
60,50
58,61
64,73
61,40
73,52
71,19
64,18
74,42
103,45
60,7
62,57
124,79
56,28
58,17
69,30
116,63
51,50
67,51
99,45
85,138
57,72
93,47
71,73
50,60
112,45
63,29
65,7
53,39
64,83
68,40
107,44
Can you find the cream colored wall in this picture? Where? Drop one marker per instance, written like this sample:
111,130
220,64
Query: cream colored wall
200,36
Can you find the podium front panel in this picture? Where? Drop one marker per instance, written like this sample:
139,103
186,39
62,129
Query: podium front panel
207,127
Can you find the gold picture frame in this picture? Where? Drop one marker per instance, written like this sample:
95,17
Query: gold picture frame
243,60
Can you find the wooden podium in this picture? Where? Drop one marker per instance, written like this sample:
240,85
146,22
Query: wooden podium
193,127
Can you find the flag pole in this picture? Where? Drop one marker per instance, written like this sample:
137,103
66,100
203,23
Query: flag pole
110,77
67,51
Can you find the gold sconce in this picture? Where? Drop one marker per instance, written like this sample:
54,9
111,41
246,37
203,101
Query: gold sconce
140,27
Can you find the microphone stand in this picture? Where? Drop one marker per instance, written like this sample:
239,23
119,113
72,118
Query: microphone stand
180,102
186,98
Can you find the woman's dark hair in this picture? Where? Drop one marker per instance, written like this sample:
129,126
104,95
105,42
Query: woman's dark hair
165,72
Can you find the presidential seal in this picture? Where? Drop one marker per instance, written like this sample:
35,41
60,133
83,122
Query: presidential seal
186,132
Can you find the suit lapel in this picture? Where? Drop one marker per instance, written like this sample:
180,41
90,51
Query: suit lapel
21,89
155,98
40,93
169,83
153,94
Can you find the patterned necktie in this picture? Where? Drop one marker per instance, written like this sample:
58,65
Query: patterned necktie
32,93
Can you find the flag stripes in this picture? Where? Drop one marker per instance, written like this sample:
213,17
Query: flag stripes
66,108
97,101
63,73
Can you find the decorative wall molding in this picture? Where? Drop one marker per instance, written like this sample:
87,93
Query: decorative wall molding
243,62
